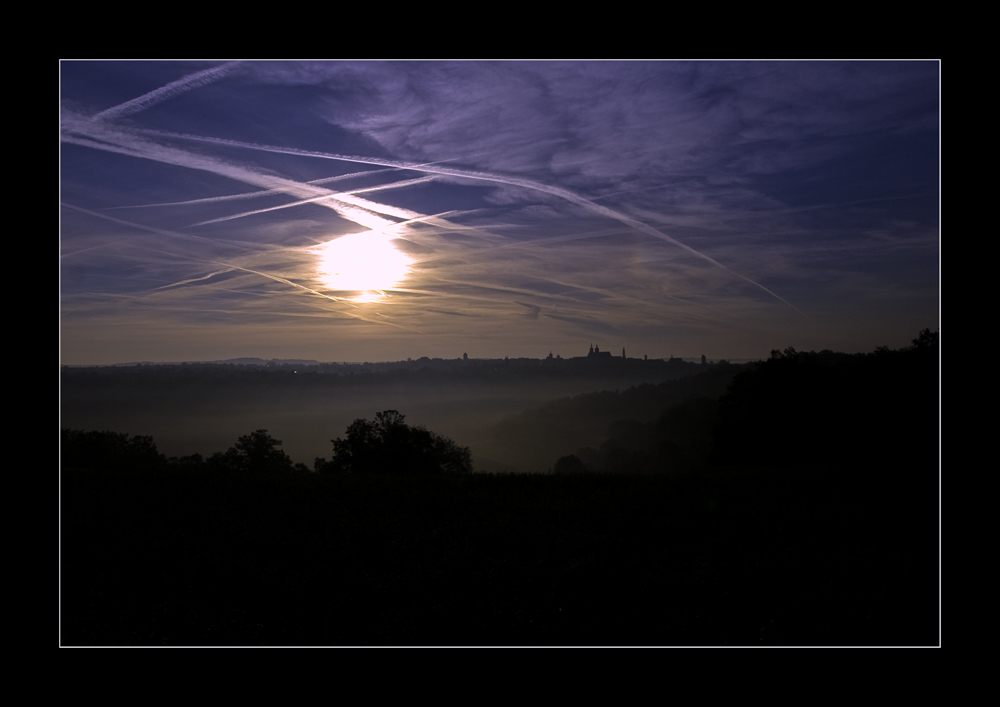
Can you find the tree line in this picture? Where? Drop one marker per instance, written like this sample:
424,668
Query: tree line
796,408
383,445
793,409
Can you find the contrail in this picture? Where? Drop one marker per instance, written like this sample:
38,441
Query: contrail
205,200
359,216
343,197
391,185
207,76
485,176
248,270
174,88
353,208
83,250
271,192
171,234
100,138
121,144
346,198
194,279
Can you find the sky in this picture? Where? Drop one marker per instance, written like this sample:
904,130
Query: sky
382,210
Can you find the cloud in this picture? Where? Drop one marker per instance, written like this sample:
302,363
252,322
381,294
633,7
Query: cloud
533,309
513,181
632,193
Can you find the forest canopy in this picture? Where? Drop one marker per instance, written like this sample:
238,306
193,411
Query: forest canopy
388,445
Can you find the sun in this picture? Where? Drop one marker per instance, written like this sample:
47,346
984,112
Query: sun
367,263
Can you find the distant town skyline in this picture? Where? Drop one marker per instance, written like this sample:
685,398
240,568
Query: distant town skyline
381,210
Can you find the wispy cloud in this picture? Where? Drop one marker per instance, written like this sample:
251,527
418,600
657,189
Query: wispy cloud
512,181
716,201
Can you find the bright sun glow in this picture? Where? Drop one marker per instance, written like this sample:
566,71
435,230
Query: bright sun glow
362,262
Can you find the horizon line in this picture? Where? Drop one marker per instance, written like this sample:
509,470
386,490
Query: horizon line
313,362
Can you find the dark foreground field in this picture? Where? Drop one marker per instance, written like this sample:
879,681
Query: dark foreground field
730,557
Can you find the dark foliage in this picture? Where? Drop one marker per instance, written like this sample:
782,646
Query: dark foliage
109,450
816,530
624,417
387,445
814,408
805,409
753,557
678,442
258,452
569,464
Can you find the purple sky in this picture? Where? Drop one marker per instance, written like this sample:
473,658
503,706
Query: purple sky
370,211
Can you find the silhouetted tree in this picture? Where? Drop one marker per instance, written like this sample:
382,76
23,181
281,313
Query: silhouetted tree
257,452
926,340
388,445
569,464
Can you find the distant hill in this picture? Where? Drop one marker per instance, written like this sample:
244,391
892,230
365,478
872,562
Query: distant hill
246,361
560,426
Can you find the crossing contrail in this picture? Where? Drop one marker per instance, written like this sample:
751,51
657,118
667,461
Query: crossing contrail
233,266
271,192
346,197
489,177
99,136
